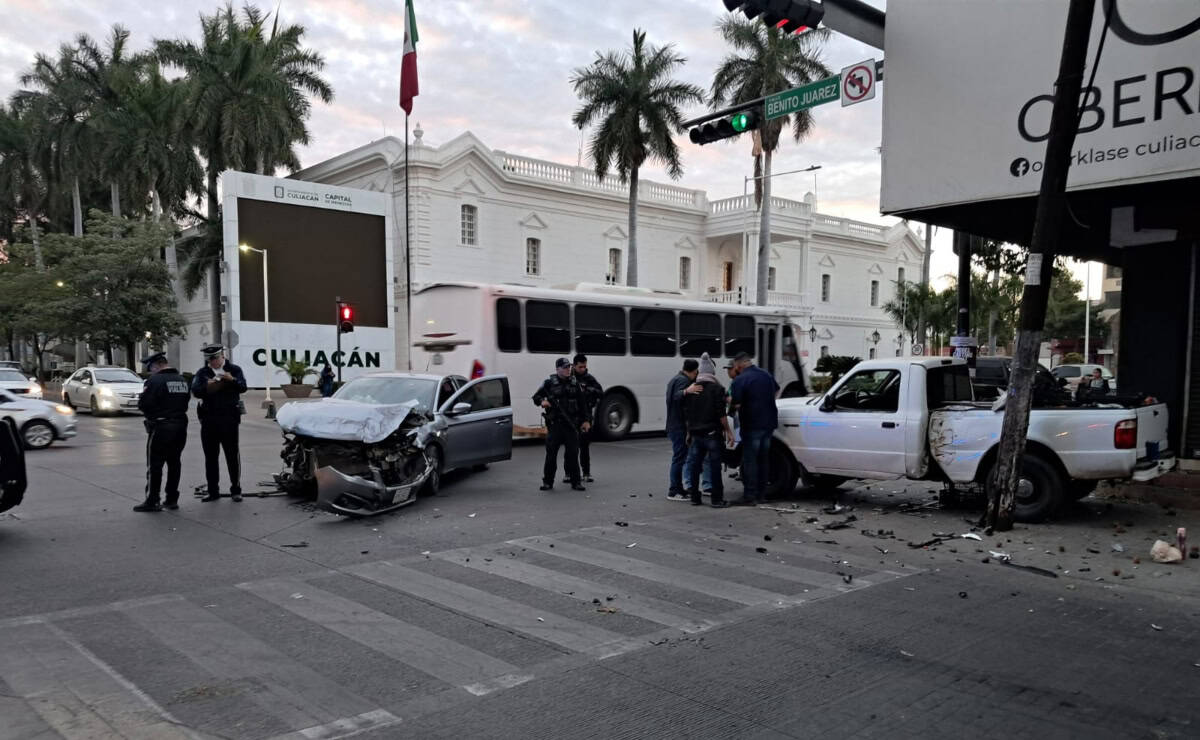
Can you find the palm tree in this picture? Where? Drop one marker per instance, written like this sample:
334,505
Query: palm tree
249,98
767,60
637,104
22,182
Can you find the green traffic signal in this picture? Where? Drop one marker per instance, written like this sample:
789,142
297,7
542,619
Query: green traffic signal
740,122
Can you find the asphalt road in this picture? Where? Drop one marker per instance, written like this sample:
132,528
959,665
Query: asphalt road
495,610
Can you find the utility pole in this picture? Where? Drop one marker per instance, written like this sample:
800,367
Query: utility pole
924,284
1087,314
962,247
1047,226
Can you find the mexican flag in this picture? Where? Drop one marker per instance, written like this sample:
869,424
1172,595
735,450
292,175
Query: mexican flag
408,66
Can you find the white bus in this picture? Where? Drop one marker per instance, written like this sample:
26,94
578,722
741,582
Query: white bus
635,340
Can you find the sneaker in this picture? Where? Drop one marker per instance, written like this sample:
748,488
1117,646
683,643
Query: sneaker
577,487
677,496
210,497
148,506
236,497
720,504
546,487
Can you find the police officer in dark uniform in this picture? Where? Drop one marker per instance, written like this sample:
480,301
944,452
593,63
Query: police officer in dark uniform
592,392
218,385
565,411
164,403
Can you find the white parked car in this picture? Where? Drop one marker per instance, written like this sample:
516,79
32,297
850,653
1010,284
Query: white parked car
38,422
1075,373
103,390
16,382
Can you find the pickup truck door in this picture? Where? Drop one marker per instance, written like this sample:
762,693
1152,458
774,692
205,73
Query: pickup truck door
859,427
482,429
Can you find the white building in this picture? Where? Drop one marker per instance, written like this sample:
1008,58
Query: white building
485,215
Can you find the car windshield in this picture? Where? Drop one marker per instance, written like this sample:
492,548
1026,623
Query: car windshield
12,376
383,390
119,375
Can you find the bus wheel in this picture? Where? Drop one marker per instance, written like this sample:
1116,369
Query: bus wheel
615,416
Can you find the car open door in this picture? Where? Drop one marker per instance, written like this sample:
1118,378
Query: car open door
479,423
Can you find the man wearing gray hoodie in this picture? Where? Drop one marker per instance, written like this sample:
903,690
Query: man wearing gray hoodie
708,431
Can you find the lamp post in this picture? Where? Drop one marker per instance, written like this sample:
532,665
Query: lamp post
745,241
268,404
874,337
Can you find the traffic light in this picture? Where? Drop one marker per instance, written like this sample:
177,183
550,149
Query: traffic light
726,127
789,15
345,318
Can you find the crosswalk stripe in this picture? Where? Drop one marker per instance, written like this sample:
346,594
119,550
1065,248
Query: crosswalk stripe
473,602
345,727
426,651
780,543
77,694
647,607
294,693
699,552
716,587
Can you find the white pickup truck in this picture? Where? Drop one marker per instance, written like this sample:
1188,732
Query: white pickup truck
917,418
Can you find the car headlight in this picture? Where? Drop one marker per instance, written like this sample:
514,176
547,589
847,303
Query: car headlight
64,410
106,391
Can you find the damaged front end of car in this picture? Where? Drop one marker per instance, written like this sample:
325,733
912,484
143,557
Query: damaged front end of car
360,478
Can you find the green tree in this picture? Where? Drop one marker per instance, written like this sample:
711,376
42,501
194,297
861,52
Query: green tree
913,300
1001,263
836,365
632,96
32,304
766,60
23,185
1065,310
248,100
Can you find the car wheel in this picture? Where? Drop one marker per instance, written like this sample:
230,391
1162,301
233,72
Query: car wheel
93,406
433,483
37,434
67,400
1039,489
781,472
616,416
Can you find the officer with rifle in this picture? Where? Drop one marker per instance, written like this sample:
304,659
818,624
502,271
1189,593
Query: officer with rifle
564,408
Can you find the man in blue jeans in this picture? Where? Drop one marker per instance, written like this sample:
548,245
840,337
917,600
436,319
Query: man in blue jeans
708,431
677,429
753,395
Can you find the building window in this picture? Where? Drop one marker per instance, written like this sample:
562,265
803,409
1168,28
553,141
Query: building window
824,350
874,292
685,273
826,280
897,353
871,354
770,278
533,256
614,267
469,221
726,277
900,275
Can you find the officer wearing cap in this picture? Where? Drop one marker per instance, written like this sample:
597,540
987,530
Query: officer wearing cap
564,406
164,403
218,385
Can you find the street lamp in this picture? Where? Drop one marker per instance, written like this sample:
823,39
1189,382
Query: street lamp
812,331
874,337
267,403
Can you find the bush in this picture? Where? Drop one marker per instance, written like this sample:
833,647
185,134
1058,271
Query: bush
836,365
820,383
1072,358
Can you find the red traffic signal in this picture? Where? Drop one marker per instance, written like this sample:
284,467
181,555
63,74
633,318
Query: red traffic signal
790,15
345,318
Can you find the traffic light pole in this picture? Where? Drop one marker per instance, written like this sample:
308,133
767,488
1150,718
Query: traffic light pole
1047,226
337,328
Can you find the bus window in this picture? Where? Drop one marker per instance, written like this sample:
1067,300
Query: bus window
698,333
508,325
770,350
652,333
739,335
789,345
547,327
600,330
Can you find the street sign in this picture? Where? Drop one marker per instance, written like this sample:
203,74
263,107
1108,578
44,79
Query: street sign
918,350
805,96
858,82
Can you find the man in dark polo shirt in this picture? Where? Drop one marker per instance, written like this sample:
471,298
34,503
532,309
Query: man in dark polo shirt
753,396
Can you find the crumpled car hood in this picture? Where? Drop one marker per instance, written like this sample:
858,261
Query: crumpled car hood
347,421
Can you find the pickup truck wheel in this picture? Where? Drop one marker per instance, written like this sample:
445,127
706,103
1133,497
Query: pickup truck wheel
615,416
781,472
1039,489
1078,489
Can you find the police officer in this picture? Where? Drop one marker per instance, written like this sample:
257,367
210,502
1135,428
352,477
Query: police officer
592,392
218,385
164,403
565,410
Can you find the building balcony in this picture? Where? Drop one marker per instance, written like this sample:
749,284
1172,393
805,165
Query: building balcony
775,299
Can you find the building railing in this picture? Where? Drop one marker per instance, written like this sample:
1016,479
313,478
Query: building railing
847,226
775,299
740,203
540,169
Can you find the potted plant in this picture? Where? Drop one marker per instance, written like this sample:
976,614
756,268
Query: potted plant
296,372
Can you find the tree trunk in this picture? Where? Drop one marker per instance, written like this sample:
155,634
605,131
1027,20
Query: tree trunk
631,269
214,270
38,261
115,195
764,235
921,317
155,205
77,206
992,312
130,360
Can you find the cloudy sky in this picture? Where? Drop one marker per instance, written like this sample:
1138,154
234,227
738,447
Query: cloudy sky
500,68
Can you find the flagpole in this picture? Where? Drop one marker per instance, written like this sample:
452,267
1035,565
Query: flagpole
407,254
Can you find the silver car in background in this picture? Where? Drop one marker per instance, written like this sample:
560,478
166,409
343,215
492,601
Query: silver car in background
103,390
16,382
39,423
